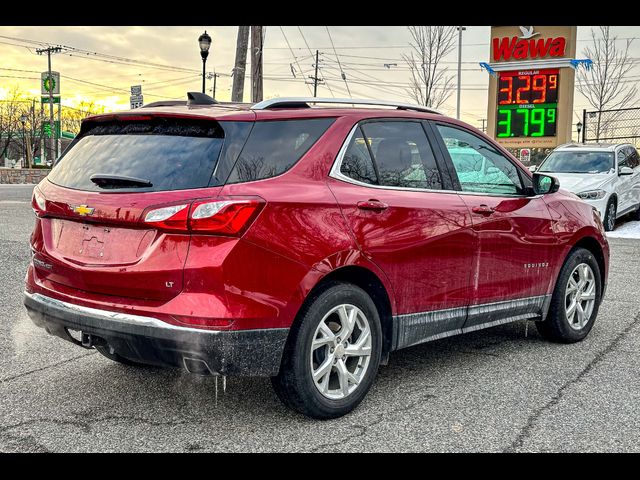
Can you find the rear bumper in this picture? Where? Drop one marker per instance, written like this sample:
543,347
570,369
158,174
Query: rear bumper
152,341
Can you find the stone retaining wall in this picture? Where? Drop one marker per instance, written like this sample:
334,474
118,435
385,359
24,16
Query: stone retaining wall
23,175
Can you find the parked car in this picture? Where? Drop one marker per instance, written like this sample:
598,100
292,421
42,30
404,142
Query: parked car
606,176
305,243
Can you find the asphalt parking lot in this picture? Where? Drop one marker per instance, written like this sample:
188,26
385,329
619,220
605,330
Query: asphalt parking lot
495,390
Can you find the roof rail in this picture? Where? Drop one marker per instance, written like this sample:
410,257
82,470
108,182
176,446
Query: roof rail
303,102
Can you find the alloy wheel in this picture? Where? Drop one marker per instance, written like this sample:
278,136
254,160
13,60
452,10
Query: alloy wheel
611,217
580,296
340,351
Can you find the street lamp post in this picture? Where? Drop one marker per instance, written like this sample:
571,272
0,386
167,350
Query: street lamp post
460,30
205,43
23,120
579,128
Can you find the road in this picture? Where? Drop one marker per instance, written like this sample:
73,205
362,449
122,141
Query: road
496,390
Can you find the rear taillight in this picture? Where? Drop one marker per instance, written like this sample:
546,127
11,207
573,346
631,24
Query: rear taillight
230,216
173,217
38,202
224,217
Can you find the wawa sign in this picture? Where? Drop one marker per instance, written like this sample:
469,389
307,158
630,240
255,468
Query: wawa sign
531,91
531,43
523,48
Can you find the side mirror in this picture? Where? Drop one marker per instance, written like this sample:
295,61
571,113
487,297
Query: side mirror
625,171
543,184
533,168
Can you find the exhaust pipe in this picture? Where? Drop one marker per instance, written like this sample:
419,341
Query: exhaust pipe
89,341
197,366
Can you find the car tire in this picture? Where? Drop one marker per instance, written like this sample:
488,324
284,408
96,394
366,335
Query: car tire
636,215
571,299
609,219
314,349
105,351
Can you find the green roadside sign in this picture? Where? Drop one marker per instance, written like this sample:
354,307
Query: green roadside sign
46,99
46,128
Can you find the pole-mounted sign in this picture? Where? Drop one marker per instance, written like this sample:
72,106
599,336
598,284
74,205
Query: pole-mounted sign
136,98
50,84
531,86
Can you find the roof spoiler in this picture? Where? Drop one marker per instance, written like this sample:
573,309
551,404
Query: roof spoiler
197,98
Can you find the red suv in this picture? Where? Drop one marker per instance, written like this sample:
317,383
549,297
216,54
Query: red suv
301,242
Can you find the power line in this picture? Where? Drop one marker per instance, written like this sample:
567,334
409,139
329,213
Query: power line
19,70
344,77
91,55
317,57
108,87
295,59
375,86
380,47
20,77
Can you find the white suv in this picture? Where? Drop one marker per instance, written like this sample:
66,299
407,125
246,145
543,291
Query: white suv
606,176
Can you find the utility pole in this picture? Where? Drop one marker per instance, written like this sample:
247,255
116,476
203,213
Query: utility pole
42,147
237,92
315,77
257,38
215,78
460,30
49,51
32,134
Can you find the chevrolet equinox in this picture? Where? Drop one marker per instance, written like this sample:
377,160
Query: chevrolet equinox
302,239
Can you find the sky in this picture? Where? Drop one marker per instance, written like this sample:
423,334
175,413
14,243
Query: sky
361,52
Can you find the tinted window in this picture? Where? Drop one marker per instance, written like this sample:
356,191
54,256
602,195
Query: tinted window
402,155
577,162
630,157
274,147
171,155
479,165
357,163
634,159
623,155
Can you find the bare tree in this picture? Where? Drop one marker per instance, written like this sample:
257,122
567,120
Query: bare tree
431,84
18,140
10,111
604,84
72,117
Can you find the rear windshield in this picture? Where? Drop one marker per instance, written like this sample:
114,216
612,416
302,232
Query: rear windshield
168,154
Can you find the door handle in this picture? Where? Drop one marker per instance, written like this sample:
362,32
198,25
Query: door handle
373,205
483,210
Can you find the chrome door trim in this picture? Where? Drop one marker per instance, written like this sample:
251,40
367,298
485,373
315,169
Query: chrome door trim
336,174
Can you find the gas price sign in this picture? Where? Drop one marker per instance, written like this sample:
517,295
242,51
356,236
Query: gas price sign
527,103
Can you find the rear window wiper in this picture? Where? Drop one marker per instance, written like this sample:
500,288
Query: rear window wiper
119,181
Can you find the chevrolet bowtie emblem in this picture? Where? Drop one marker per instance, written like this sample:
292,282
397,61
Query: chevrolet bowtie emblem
83,210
